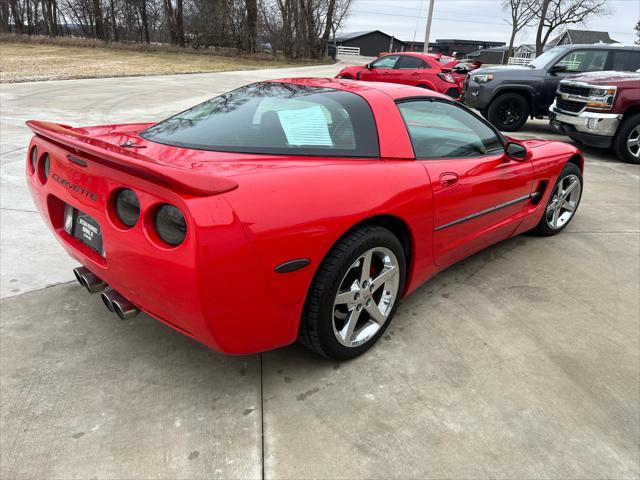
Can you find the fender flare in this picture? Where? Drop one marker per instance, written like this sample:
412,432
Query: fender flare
531,93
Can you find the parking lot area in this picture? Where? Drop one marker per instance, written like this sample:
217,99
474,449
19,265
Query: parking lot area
521,361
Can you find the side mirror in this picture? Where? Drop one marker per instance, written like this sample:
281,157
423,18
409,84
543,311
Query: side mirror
558,68
368,66
515,151
461,70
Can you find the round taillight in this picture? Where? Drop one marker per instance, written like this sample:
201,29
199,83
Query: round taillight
44,167
127,207
170,225
34,158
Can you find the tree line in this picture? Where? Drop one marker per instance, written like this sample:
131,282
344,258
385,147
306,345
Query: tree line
548,16
297,28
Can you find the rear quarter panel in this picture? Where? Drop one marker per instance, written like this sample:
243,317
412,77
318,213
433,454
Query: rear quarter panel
303,212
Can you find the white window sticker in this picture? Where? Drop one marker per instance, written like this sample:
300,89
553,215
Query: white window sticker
305,126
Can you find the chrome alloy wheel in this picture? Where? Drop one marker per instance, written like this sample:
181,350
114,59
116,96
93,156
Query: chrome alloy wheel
366,296
633,142
564,202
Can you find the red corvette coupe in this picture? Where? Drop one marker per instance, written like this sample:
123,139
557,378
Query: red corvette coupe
408,68
291,209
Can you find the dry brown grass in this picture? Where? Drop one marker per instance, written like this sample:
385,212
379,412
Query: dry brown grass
40,58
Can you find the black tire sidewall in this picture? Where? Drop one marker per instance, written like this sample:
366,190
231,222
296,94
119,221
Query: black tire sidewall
376,237
492,112
620,140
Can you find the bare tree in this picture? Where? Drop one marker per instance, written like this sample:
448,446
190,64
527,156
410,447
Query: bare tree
522,15
50,12
145,21
298,28
637,29
552,14
342,11
252,25
18,16
174,18
114,24
97,19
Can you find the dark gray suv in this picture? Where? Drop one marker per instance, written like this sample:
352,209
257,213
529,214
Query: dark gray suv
508,95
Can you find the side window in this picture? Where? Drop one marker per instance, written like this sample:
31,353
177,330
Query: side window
410,63
625,60
444,130
585,60
385,62
620,60
633,64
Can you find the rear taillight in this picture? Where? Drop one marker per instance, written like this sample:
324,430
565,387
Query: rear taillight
447,77
127,207
44,167
170,225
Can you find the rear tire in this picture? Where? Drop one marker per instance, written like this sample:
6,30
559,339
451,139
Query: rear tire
336,322
626,143
508,112
563,202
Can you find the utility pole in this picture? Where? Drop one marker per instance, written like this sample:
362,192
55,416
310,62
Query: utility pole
428,30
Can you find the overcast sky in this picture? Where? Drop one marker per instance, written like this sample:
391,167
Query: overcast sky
471,19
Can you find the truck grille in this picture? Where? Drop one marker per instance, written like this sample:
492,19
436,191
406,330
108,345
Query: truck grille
574,89
569,106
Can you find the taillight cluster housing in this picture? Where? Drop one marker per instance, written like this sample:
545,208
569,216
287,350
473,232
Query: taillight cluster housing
169,224
39,164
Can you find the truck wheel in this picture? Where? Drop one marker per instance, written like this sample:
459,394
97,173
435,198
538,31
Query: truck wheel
354,294
508,112
626,143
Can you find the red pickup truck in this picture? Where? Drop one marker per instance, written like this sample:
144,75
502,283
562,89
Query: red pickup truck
600,109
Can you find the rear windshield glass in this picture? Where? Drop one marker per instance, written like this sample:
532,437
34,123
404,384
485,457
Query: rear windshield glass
275,118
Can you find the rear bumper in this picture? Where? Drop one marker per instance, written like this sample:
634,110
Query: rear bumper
210,287
591,128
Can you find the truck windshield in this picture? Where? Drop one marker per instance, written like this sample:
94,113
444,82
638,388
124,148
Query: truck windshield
275,118
546,57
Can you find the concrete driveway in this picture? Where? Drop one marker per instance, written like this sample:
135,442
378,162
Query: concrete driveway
522,361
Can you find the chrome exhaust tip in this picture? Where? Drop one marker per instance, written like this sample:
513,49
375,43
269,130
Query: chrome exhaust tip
89,280
119,305
106,299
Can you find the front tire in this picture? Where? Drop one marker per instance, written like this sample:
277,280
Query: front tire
626,143
509,112
354,295
563,202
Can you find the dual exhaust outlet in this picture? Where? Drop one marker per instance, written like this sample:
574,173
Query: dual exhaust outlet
113,300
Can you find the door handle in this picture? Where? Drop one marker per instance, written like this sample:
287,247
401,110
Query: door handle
448,179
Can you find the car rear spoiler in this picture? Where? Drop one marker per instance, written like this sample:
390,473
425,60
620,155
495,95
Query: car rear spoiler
185,181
